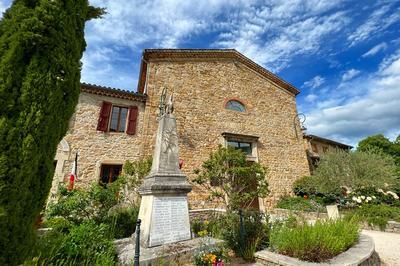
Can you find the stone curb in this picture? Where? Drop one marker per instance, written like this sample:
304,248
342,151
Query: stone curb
179,253
359,254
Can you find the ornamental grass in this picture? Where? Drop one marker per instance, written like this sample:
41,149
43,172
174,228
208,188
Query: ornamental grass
315,243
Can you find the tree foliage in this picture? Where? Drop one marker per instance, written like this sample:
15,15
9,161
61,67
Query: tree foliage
230,178
381,143
41,43
355,170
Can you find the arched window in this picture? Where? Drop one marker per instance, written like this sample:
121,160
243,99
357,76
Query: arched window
235,106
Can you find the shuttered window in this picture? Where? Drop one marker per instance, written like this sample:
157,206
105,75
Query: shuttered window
117,118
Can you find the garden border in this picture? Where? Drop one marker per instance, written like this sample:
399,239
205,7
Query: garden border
391,227
363,253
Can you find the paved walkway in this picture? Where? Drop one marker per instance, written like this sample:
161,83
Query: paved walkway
387,245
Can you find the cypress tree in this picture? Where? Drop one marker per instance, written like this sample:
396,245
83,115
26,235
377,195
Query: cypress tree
41,44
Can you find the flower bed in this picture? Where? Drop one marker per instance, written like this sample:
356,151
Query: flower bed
363,253
315,243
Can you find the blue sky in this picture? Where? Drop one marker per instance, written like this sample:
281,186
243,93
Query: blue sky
344,56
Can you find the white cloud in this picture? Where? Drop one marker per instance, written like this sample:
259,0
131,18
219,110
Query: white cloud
162,24
376,23
315,82
100,65
266,35
375,111
376,49
350,74
311,97
269,33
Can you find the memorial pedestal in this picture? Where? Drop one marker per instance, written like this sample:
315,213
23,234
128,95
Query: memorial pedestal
168,219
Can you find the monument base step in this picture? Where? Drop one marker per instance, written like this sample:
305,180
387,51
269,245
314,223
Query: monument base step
179,253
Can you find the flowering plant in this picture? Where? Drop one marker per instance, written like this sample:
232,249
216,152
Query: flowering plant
374,196
209,256
363,199
200,228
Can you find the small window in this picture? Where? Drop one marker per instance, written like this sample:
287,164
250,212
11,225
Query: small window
244,146
118,119
314,148
109,173
235,106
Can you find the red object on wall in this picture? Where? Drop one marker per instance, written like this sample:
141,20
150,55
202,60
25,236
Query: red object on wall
132,120
71,182
104,116
181,163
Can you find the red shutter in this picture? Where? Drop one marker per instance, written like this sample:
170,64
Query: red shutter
132,121
104,116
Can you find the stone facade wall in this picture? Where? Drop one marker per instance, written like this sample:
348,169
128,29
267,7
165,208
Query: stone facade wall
95,147
201,88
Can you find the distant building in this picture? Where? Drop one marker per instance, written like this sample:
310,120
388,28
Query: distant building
316,146
221,98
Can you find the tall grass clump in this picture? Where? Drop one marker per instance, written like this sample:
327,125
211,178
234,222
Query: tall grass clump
253,236
315,243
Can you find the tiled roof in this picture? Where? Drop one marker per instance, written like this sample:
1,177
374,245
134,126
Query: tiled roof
112,92
309,136
165,54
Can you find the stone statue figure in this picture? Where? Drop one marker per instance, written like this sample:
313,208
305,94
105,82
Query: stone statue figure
169,107
161,106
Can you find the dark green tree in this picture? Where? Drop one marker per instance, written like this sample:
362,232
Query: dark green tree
41,44
381,143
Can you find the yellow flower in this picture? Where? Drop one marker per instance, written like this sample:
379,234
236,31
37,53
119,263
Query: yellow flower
206,222
202,233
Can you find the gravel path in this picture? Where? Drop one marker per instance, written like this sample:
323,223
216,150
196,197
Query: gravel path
387,245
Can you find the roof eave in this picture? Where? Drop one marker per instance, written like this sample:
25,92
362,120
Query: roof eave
149,54
112,92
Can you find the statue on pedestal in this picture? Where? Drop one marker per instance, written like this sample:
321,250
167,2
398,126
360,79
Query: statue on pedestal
164,206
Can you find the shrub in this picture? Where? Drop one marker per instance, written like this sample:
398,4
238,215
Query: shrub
231,180
355,170
304,186
377,215
124,220
300,204
41,44
85,244
253,238
78,206
132,175
315,243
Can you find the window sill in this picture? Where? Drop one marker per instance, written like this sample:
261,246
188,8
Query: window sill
251,158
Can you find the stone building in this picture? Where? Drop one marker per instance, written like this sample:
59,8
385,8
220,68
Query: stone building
316,146
220,97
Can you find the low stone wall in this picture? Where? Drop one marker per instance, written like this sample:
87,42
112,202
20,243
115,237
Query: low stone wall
391,227
363,254
284,213
205,214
